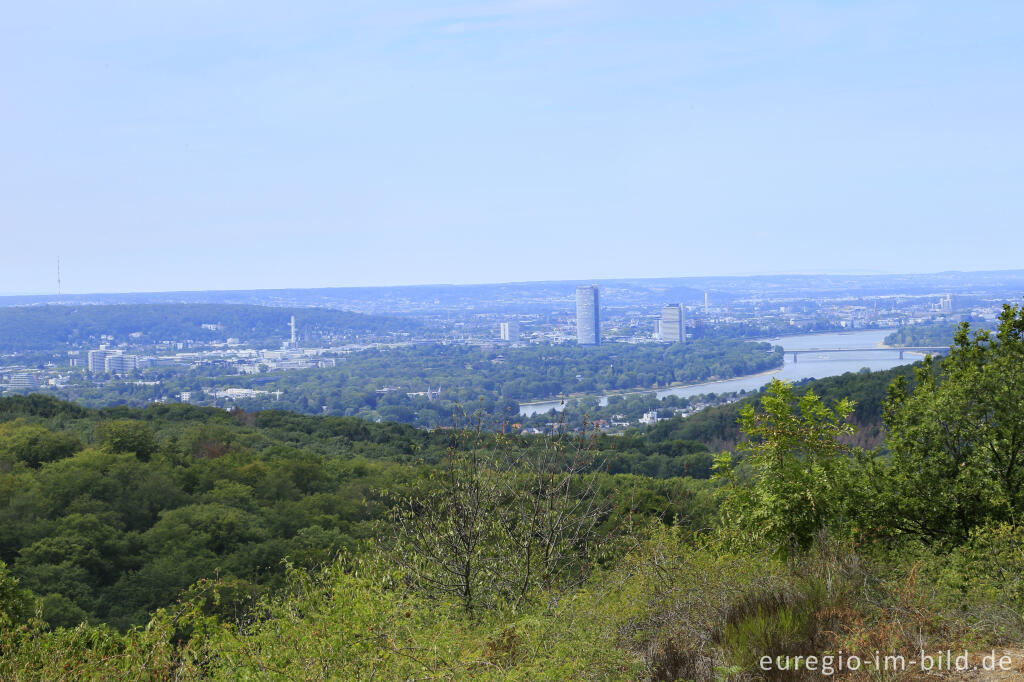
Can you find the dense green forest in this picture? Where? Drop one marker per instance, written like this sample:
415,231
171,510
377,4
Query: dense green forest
56,327
108,514
501,558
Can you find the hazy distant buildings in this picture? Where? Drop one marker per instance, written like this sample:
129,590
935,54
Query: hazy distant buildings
23,381
510,331
649,417
673,324
237,393
111,362
118,363
588,315
97,360
430,394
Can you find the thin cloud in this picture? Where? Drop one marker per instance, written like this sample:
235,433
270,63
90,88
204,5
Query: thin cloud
461,18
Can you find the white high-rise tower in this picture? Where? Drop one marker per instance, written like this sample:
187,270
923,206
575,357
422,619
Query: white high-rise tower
588,315
673,324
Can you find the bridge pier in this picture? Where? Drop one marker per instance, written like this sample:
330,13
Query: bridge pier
901,355
794,357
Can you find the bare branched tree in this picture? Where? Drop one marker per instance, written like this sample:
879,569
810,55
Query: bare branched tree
504,519
551,511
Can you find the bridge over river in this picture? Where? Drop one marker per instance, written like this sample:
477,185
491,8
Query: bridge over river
902,349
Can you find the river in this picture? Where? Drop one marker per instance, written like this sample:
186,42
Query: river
808,365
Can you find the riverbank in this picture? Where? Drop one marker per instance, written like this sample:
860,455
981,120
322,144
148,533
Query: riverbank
633,391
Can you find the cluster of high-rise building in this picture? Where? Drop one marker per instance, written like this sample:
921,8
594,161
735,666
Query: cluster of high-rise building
671,326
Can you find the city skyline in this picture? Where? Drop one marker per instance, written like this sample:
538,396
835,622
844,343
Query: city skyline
121,349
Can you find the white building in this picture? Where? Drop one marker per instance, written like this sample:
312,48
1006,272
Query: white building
23,381
672,327
237,393
510,331
118,363
588,315
97,360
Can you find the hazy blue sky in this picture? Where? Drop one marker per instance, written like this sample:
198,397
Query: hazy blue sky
201,145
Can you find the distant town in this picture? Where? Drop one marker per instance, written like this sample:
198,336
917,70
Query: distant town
544,314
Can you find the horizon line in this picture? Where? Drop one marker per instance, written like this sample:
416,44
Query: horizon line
859,275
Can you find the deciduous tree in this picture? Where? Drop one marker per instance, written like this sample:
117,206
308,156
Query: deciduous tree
957,438
799,465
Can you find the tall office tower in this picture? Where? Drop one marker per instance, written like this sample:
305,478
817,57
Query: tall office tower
293,331
588,315
96,360
673,323
947,303
706,308
510,331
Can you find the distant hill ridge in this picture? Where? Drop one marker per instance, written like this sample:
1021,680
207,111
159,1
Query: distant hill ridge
508,295
52,326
